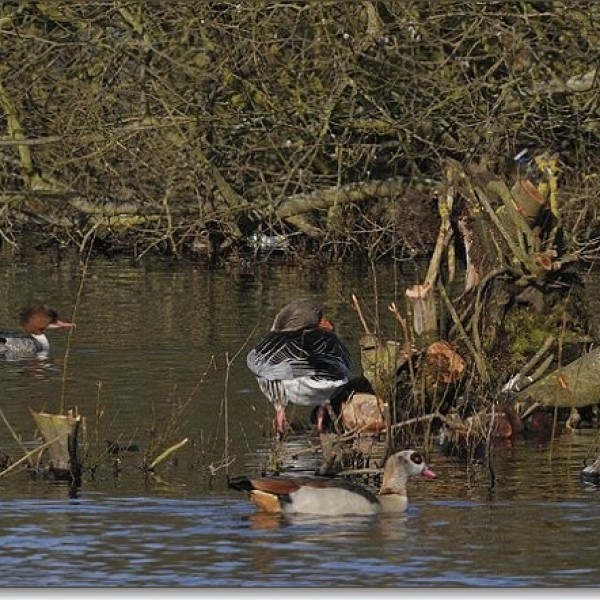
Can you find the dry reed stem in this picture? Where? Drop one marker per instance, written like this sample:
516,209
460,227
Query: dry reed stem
31,453
13,432
357,308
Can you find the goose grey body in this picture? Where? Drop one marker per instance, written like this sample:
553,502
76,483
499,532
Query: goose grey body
300,360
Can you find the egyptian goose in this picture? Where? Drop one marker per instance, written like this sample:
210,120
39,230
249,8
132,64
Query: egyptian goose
32,340
300,360
336,496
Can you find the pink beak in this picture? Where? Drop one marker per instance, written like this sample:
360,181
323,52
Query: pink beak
428,474
61,324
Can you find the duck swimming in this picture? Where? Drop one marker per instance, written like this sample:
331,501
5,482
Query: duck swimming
300,360
31,341
333,496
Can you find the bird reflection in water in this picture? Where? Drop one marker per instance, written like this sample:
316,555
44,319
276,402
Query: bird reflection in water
386,527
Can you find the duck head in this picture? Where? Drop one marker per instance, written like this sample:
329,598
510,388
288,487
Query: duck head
36,320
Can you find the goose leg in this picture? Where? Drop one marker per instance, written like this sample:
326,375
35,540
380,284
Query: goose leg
321,413
280,423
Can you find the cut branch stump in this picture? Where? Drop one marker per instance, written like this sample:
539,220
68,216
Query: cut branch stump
60,435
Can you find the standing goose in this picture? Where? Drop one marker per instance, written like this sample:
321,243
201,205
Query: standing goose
32,340
331,496
300,360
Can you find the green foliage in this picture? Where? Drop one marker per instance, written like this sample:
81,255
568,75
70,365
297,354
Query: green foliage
527,333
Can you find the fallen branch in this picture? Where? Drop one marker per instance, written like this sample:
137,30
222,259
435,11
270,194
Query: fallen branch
324,199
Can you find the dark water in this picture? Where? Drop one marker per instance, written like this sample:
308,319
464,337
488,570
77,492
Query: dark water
158,355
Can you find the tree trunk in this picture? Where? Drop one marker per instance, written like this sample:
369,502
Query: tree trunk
574,385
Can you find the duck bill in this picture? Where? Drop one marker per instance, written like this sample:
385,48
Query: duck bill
61,324
428,474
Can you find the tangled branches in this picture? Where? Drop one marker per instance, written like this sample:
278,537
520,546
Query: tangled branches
177,122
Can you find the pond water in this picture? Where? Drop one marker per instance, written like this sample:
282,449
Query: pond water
158,355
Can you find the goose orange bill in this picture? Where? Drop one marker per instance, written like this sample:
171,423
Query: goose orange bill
326,324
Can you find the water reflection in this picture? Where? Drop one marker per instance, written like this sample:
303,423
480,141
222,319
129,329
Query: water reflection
295,454
157,356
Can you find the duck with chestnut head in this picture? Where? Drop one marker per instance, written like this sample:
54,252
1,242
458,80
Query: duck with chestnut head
31,340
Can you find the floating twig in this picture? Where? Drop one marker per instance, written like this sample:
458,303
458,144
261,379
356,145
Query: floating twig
429,417
223,464
167,453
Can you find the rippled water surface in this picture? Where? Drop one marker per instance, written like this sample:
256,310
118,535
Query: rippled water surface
158,355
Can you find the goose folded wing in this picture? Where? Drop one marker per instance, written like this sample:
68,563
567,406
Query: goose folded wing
272,485
281,356
284,486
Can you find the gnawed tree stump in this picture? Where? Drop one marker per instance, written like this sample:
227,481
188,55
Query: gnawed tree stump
522,298
59,460
521,286
380,361
364,413
422,304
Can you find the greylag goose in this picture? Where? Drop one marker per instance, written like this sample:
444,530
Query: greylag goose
336,496
32,340
300,360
